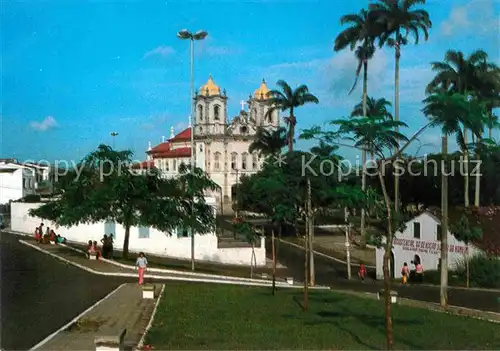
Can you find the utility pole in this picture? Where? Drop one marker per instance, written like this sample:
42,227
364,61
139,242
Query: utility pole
347,242
444,224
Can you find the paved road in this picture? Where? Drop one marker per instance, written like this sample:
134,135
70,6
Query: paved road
332,273
40,294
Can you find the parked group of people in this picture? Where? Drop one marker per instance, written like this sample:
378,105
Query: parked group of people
49,236
107,247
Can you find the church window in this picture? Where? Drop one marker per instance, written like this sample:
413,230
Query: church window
244,158
270,116
217,160
234,160
254,160
201,148
243,129
174,168
167,164
216,112
200,112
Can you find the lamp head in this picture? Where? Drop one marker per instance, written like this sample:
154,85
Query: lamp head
184,34
200,35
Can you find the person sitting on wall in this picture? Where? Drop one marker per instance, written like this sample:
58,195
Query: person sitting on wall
60,239
96,250
90,249
37,234
52,235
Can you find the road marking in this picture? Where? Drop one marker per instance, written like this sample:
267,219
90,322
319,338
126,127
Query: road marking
150,324
162,277
74,320
325,255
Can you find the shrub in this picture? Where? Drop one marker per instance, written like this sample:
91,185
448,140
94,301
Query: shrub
484,271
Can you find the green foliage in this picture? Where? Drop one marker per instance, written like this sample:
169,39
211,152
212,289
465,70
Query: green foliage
246,231
462,230
104,187
268,142
484,271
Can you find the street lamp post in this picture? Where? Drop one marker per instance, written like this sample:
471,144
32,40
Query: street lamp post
114,134
184,34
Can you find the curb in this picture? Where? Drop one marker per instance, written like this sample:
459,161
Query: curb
151,320
160,277
325,255
74,320
171,271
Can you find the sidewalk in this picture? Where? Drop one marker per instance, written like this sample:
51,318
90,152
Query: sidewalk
124,309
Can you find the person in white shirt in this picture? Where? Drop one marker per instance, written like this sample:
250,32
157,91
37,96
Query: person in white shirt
141,264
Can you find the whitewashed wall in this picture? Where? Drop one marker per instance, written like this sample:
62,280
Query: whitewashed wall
428,248
158,243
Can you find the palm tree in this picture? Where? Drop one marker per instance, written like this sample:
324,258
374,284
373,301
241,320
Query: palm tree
472,76
374,107
359,36
289,99
399,20
268,142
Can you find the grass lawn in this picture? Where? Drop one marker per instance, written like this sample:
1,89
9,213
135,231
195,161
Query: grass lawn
221,317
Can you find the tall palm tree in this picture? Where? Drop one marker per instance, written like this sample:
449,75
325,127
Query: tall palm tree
471,75
359,36
374,107
268,142
400,19
289,99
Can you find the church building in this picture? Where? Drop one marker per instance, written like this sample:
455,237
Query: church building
221,143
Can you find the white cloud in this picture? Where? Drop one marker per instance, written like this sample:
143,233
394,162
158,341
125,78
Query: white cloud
48,123
162,51
476,17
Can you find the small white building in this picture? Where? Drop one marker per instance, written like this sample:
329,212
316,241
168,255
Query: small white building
420,241
16,180
148,240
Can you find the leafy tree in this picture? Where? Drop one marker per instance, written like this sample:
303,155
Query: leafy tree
463,231
289,100
399,19
108,189
268,142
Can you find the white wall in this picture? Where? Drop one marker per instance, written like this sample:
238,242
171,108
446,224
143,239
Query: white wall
158,243
11,183
405,247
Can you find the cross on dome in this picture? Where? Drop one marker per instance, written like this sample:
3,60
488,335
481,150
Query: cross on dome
243,103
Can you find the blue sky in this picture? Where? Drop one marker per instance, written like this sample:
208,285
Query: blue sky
74,71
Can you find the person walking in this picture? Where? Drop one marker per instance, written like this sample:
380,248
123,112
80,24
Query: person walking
141,264
362,271
419,269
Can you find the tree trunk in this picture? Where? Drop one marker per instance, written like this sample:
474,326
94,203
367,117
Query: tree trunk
467,258
306,252
312,274
477,188
385,267
273,244
291,132
444,226
252,260
363,155
126,241
396,116
466,170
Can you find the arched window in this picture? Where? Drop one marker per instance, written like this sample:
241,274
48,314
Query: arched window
244,158
174,168
167,163
270,116
216,112
217,161
255,160
200,112
234,160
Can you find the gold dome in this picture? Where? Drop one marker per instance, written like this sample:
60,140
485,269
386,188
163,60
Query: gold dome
210,88
261,93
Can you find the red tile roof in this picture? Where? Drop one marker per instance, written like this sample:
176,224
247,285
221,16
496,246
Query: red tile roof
184,135
144,165
160,148
174,153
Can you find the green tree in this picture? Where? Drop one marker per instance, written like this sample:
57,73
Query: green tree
289,100
463,231
374,108
399,19
268,142
104,187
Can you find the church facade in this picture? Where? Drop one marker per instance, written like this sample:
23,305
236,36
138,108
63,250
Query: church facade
221,143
